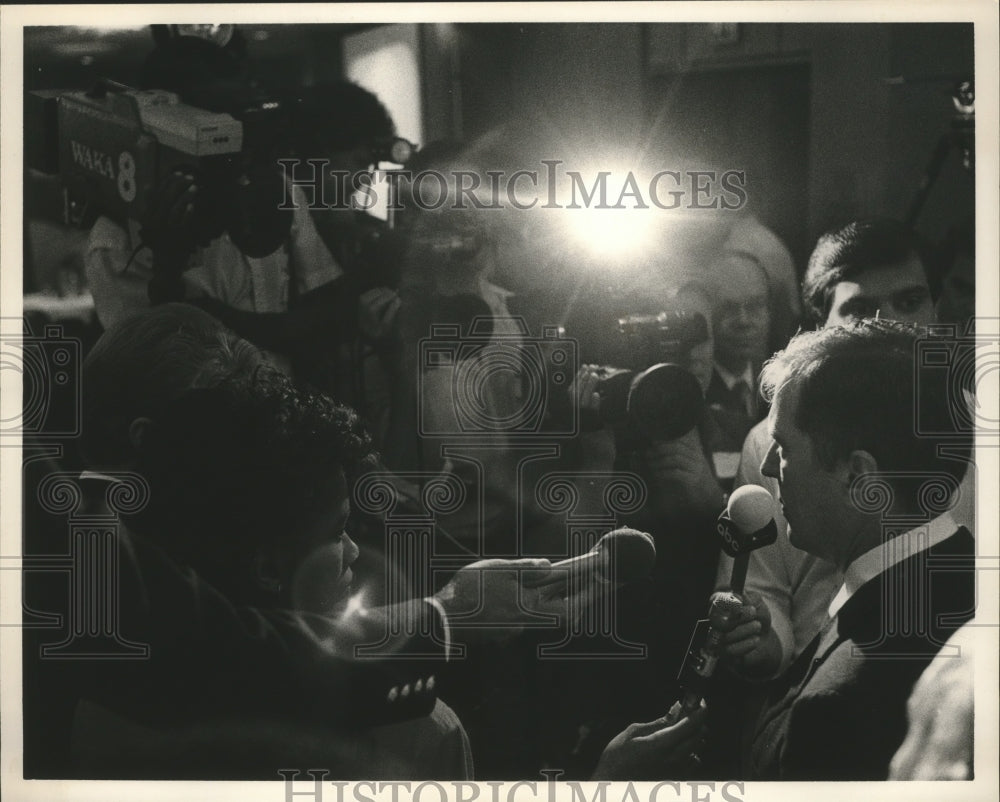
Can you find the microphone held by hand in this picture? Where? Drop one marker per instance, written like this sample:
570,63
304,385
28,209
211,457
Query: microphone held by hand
746,525
621,556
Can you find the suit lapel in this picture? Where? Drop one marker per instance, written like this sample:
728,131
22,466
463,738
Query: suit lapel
860,621
800,672
901,599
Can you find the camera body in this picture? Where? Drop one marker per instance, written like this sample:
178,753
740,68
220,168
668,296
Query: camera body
667,336
112,147
653,395
481,364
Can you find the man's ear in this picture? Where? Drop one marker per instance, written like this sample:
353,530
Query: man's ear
137,431
859,463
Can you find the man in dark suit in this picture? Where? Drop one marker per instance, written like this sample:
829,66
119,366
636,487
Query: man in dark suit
741,322
861,488
866,268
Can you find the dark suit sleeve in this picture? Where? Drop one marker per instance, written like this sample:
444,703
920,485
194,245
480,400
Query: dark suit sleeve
206,655
835,735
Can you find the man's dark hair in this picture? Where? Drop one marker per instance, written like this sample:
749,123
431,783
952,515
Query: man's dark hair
846,252
243,464
337,116
146,361
862,386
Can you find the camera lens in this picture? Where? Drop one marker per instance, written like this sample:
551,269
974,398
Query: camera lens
665,402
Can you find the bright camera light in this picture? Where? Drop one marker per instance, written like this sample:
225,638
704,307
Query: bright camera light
605,215
615,234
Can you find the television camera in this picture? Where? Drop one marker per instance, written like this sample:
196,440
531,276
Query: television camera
652,396
113,147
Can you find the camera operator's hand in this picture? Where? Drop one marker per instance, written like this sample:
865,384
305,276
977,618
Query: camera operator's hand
172,228
377,311
585,387
490,591
596,441
652,750
583,390
752,646
679,473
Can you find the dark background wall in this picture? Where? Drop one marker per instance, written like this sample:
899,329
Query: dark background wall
831,121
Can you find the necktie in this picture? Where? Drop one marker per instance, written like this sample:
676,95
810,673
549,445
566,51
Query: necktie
743,397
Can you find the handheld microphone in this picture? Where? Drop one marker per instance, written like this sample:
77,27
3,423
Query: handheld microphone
621,556
746,524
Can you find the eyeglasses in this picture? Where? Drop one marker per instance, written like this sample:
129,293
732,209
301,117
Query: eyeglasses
751,306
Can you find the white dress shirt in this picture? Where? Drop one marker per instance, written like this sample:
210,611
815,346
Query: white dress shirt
731,379
883,557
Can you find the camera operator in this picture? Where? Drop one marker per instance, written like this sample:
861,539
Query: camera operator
685,495
450,256
344,130
269,277
340,133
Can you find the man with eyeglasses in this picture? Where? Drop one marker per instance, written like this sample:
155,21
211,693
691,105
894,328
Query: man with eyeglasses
741,323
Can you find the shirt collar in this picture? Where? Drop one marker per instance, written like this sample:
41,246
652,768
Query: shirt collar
730,379
893,551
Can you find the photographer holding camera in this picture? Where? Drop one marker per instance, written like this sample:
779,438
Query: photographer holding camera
685,495
340,134
448,260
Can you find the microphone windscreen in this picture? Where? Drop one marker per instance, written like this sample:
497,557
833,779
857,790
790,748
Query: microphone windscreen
751,508
632,553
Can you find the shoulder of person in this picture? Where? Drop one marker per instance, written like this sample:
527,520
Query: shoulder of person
106,233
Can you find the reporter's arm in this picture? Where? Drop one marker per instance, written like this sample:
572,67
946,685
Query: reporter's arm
209,655
486,599
325,312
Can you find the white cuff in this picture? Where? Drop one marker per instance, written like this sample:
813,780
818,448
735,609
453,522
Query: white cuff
444,624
